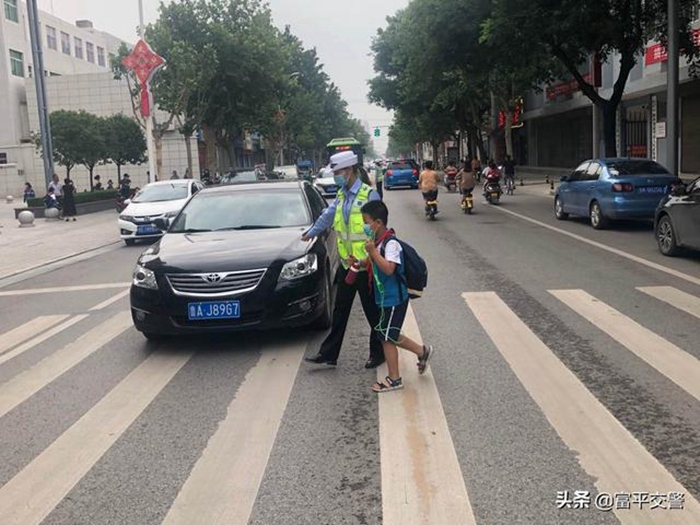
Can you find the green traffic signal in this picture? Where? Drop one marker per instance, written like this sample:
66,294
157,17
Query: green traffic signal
377,132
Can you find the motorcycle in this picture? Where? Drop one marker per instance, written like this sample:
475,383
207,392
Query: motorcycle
493,191
467,203
431,208
450,180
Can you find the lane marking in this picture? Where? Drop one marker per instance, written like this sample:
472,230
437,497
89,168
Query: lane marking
621,253
79,288
36,490
110,301
28,330
676,298
422,480
224,483
19,350
606,450
678,365
29,382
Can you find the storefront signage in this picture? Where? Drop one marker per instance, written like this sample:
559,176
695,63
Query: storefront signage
516,118
565,88
660,130
657,53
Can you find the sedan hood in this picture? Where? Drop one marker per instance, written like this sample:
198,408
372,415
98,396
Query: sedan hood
142,209
225,251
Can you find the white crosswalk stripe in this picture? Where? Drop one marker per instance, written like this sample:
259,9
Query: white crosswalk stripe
605,448
675,297
33,493
676,364
28,330
29,382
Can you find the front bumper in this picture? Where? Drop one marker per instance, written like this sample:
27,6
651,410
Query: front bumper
129,230
269,306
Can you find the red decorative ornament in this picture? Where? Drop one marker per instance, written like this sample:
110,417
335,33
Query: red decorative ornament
144,63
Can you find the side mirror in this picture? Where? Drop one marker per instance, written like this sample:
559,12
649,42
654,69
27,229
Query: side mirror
679,189
564,178
127,202
161,223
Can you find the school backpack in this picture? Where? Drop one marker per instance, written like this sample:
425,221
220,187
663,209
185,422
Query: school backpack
415,271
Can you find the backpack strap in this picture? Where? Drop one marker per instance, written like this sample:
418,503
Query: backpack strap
401,277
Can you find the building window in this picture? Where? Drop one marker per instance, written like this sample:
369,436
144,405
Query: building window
16,63
3,158
65,43
101,56
52,74
78,45
90,49
29,71
11,10
51,37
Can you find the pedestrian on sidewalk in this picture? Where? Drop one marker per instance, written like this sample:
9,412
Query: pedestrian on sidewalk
125,187
98,183
51,201
174,176
345,216
56,185
110,184
29,192
391,295
69,200
379,179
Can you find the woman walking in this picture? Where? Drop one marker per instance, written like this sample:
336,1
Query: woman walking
69,200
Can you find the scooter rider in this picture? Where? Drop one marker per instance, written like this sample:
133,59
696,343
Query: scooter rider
450,174
466,182
492,175
429,181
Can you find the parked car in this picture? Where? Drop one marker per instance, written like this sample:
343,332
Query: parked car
401,173
241,175
157,200
609,189
234,259
325,183
288,172
677,221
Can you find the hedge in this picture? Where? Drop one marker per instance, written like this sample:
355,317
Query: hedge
88,196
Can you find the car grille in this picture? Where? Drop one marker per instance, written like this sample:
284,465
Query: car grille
214,284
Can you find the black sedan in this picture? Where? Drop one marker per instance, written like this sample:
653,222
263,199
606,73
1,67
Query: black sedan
233,259
677,221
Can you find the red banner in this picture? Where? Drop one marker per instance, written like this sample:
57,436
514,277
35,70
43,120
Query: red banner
516,117
565,88
657,53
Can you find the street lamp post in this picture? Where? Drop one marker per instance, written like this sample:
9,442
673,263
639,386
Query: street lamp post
672,132
38,61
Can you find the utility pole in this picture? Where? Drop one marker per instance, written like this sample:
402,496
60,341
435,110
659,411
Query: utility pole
150,146
672,131
39,81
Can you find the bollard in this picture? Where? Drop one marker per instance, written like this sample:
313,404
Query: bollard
26,219
522,181
51,213
551,187
9,199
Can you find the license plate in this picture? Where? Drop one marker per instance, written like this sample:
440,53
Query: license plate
214,310
652,189
147,230
494,195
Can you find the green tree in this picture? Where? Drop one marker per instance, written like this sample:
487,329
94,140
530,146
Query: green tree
66,126
91,143
124,142
574,30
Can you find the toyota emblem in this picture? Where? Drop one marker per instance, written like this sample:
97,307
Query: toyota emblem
213,278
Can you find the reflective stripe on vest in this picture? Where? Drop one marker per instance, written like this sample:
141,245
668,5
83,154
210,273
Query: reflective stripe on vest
351,237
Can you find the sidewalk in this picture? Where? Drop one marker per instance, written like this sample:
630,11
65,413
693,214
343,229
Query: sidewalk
22,249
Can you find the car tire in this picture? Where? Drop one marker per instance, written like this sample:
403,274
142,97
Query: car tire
129,242
559,212
666,237
324,321
153,338
598,220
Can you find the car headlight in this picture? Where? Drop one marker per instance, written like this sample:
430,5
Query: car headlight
127,218
299,267
171,214
144,278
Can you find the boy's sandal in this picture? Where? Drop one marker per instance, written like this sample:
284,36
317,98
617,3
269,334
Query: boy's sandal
423,360
388,385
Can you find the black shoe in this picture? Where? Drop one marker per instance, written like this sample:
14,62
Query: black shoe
320,359
374,362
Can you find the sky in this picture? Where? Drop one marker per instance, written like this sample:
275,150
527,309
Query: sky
340,30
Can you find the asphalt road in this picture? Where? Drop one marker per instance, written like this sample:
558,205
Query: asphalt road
541,391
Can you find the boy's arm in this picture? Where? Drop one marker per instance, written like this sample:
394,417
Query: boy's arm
386,267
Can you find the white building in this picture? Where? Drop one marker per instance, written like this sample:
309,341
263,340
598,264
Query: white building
77,67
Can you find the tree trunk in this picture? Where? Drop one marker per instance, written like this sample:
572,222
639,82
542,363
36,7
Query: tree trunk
158,139
188,148
436,147
509,133
119,172
610,129
68,168
92,184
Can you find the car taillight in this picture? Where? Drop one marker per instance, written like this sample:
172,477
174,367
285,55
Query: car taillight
415,172
389,173
620,187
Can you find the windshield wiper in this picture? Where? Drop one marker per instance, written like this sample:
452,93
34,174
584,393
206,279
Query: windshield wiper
249,227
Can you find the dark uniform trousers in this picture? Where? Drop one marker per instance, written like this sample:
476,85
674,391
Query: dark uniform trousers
330,348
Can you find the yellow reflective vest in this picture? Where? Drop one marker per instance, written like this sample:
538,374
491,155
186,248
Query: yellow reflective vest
351,236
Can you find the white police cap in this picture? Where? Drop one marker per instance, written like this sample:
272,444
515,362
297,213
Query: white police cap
342,160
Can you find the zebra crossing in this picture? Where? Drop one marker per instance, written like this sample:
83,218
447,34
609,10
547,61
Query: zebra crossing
422,480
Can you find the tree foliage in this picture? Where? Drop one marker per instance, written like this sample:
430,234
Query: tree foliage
124,141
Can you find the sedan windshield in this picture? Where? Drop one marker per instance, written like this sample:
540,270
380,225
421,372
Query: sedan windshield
644,168
161,192
242,210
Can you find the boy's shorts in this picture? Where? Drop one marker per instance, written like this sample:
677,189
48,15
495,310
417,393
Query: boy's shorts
391,322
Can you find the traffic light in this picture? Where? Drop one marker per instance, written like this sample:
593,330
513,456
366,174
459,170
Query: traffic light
377,132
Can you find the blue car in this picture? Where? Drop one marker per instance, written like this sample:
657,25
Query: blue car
610,189
401,173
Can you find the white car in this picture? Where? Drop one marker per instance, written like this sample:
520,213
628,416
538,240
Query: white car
157,200
288,172
325,183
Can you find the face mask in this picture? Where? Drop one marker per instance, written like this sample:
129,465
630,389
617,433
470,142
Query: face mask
368,231
339,180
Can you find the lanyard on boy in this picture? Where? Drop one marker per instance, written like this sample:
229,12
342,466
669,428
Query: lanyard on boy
370,267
